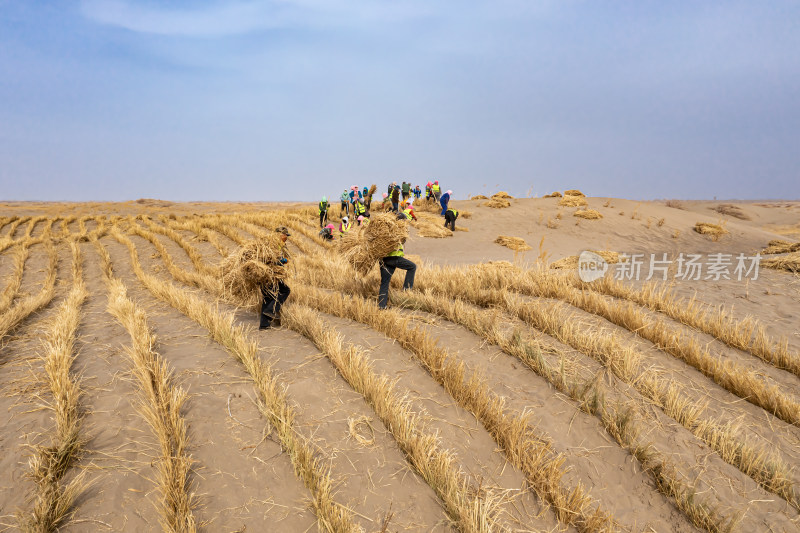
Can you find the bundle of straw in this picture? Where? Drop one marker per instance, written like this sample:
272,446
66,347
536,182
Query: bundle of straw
383,235
715,230
497,203
478,197
502,194
573,260
591,214
555,194
778,246
515,243
371,191
571,200
573,192
789,262
253,265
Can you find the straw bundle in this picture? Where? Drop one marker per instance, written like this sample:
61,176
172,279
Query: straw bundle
789,262
590,214
363,248
515,243
501,194
778,246
555,194
426,228
371,190
706,228
573,192
570,200
497,203
572,260
255,264
479,197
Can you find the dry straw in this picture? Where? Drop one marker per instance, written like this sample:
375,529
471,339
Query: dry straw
497,203
254,265
554,194
54,499
382,236
716,231
515,243
572,260
789,262
573,192
590,214
570,200
479,197
502,194
778,246
431,227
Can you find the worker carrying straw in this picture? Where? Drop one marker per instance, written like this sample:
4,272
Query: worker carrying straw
380,242
258,268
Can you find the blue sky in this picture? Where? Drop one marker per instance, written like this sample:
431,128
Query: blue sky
288,100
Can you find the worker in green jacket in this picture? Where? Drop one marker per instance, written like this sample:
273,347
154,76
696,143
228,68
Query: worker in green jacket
323,211
388,265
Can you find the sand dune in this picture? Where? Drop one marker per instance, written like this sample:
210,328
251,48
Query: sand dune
500,395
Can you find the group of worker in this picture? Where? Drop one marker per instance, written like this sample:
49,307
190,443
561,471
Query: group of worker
359,201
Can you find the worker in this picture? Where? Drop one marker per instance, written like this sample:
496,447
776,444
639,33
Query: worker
344,226
360,220
409,212
323,211
450,217
444,200
388,265
436,190
359,208
395,198
406,190
326,233
272,298
345,198
417,192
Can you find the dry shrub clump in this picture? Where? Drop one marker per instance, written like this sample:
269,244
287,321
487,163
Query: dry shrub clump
382,236
554,194
573,192
716,231
478,197
570,200
731,211
790,262
253,265
778,246
590,214
515,243
675,204
497,203
502,194
572,260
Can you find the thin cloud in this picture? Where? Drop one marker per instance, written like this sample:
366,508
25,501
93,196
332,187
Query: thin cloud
236,18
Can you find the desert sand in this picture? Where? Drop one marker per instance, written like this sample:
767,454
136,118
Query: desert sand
539,402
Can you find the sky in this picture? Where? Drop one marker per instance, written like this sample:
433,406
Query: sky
268,100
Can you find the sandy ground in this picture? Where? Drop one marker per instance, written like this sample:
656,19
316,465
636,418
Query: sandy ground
243,480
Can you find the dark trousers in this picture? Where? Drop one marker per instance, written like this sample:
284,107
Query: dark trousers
450,220
388,266
272,300
323,217
345,208
394,206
